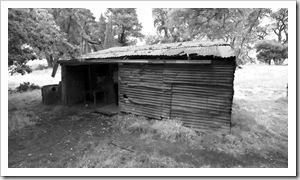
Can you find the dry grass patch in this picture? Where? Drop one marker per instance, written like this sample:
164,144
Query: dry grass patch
22,109
111,157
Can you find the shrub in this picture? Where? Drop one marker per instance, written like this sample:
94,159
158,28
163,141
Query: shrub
20,68
25,86
10,91
268,50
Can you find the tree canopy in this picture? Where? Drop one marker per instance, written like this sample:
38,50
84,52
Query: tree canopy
125,25
37,29
276,50
280,25
271,50
235,26
67,32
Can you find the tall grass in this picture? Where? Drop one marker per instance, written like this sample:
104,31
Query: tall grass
253,130
22,109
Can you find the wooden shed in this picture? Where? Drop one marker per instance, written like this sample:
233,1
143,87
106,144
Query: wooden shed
192,81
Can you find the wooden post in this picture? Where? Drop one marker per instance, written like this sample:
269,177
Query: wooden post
90,79
120,64
54,69
64,78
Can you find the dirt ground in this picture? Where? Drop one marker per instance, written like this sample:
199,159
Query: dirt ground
78,137
64,140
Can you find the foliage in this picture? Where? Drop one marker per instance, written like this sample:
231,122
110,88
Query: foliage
19,27
21,55
65,33
125,25
262,32
26,86
77,23
153,39
271,50
37,29
109,40
19,67
161,18
50,33
280,26
231,25
98,32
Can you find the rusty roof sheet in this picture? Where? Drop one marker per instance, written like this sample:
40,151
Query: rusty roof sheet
171,49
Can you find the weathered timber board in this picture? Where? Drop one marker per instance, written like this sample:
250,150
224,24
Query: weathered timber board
200,95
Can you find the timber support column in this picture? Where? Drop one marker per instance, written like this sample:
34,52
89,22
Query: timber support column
64,98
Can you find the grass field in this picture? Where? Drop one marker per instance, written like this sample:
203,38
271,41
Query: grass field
39,77
58,136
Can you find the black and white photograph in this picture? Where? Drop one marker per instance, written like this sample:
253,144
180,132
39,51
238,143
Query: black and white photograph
147,86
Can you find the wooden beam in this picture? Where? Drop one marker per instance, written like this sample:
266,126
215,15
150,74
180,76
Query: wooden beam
137,61
55,67
148,61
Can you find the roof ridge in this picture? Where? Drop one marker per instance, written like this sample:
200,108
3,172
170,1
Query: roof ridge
169,49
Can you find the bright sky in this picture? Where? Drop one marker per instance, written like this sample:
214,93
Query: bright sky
144,16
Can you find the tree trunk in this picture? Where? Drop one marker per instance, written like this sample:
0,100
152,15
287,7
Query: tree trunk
286,37
279,37
50,60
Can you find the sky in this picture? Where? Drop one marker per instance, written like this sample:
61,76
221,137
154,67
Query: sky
144,16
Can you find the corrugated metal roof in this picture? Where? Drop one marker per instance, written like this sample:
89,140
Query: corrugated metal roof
171,49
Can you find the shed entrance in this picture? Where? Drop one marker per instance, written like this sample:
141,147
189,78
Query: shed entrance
96,83
101,83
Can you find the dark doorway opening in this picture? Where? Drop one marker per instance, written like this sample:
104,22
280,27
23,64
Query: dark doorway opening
101,84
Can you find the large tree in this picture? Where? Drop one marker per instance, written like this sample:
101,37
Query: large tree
280,25
125,25
36,30
77,24
20,27
98,33
109,40
160,16
49,33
